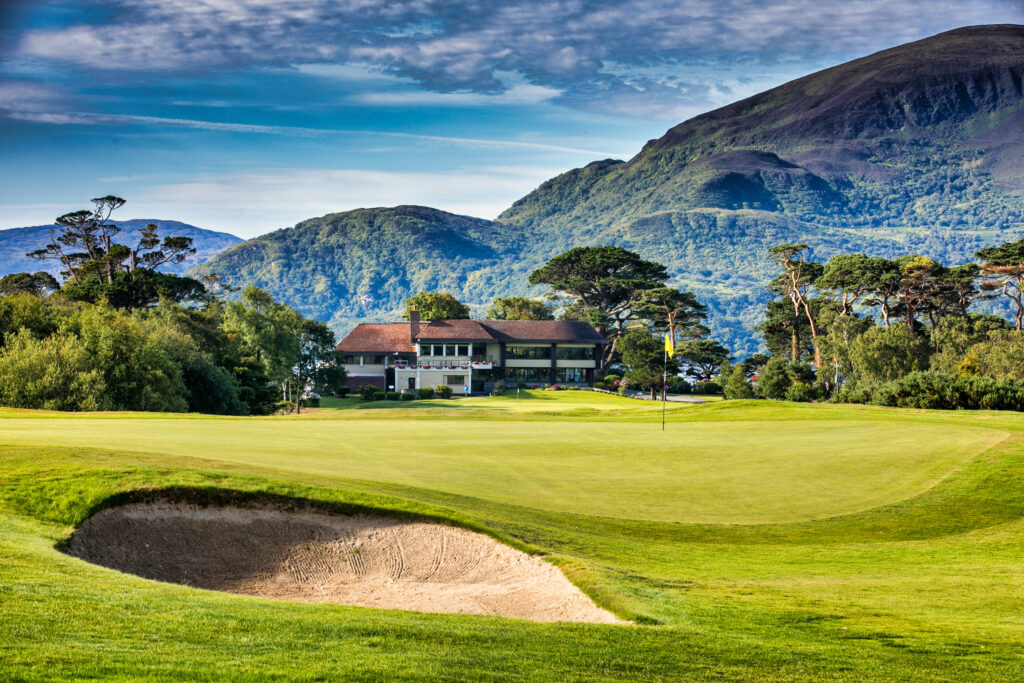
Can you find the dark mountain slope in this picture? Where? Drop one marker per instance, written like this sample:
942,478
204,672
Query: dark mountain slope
16,242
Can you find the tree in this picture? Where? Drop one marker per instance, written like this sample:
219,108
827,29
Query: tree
34,283
795,282
436,306
643,354
737,386
266,330
850,277
139,289
318,363
519,308
675,312
83,243
779,376
604,286
703,357
886,354
1004,268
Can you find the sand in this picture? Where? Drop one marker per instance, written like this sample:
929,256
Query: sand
312,556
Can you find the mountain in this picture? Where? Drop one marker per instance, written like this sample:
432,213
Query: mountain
16,242
345,268
919,149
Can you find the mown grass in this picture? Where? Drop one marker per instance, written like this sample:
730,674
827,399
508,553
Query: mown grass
904,562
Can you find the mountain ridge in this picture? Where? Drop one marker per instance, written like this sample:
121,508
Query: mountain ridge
915,149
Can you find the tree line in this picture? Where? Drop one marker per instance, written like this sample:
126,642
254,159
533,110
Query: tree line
114,333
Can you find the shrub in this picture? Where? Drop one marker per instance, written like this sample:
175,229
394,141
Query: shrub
368,392
310,402
285,407
610,379
393,396
408,396
801,392
622,389
425,392
883,355
341,392
737,386
499,388
708,387
443,391
938,390
600,385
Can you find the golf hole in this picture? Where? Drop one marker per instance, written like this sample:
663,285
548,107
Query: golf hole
369,560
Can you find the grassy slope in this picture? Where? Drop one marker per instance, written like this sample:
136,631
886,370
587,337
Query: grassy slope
927,586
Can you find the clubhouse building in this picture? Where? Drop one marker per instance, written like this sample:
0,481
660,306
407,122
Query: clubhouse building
470,355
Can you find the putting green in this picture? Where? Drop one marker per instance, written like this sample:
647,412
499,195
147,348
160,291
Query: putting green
713,472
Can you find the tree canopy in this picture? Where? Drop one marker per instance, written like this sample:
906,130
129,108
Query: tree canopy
436,306
519,308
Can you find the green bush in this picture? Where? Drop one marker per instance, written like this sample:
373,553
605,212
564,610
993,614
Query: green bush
610,379
737,386
443,391
341,392
408,396
285,407
425,392
936,390
311,402
368,392
393,396
622,389
600,385
708,387
801,392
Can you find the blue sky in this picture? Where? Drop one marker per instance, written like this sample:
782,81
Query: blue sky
250,115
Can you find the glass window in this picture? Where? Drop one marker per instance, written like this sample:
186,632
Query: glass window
351,360
528,375
455,380
571,375
523,352
575,352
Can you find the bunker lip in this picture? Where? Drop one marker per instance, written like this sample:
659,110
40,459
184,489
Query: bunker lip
304,554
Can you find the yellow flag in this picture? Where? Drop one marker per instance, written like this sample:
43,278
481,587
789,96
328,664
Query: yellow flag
669,347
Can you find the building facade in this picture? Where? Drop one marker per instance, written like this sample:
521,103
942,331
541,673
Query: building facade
470,355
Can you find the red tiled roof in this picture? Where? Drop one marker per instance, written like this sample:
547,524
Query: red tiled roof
455,330
372,337
394,337
544,331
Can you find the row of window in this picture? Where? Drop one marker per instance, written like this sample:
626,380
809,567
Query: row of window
512,352
524,352
543,375
444,350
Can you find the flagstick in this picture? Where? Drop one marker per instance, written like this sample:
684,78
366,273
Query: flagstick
664,381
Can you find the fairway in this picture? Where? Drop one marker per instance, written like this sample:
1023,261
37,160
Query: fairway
749,540
741,471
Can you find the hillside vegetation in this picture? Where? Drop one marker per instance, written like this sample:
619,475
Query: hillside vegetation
916,149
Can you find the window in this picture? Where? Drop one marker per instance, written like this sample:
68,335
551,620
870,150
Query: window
445,350
455,380
528,375
570,375
523,352
575,352
351,360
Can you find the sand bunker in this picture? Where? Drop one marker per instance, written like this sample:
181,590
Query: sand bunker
310,556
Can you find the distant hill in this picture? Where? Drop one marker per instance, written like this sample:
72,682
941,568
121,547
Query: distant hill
16,242
361,265
919,148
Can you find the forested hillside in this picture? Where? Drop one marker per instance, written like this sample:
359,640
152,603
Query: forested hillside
361,265
917,149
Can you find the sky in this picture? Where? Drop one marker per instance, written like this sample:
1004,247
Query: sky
251,115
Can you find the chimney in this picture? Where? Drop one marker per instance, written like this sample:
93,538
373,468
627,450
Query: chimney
414,325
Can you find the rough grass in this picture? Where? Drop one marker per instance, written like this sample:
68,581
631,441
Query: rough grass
921,582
